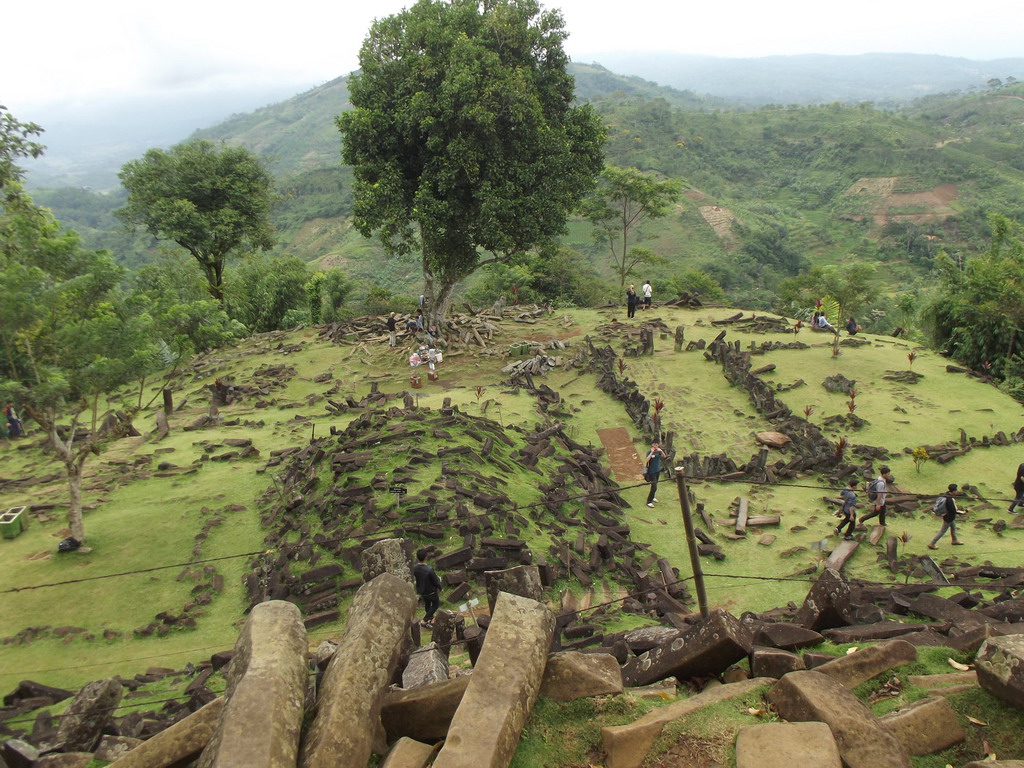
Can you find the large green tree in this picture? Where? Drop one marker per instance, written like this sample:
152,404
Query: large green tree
212,201
850,285
265,290
625,198
68,336
978,314
464,136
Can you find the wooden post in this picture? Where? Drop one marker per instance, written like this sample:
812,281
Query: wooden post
691,542
168,402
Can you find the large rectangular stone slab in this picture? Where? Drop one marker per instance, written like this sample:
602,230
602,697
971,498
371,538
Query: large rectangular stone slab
863,741
785,745
1000,667
708,649
828,603
262,717
626,746
859,667
941,609
880,630
347,726
423,713
504,685
926,726
572,675
174,745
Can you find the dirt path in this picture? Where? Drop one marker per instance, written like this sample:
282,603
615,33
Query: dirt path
623,460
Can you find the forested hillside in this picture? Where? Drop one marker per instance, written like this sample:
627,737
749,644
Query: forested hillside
769,192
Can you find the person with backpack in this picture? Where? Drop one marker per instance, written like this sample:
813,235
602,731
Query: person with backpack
849,511
1018,489
945,506
648,292
652,469
877,492
427,586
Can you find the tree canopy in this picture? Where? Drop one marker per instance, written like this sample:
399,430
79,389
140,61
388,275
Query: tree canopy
625,198
978,314
68,338
212,201
464,136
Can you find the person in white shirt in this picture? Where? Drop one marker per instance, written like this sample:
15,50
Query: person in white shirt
877,492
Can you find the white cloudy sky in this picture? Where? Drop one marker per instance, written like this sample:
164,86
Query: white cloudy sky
62,51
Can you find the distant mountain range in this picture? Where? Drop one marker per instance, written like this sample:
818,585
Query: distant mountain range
86,146
888,79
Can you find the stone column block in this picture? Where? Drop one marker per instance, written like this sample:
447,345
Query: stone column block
347,727
266,688
503,687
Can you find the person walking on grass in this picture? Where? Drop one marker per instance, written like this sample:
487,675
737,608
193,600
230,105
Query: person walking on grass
652,469
849,511
877,492
648,292
1018,489
949,512
427,586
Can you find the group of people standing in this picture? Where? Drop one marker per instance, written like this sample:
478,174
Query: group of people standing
643,300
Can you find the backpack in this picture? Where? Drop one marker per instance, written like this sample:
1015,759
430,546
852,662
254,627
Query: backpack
873,490
939,505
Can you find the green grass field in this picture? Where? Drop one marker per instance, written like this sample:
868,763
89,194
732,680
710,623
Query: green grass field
139,521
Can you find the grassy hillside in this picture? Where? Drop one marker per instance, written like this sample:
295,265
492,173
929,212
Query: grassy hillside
182,519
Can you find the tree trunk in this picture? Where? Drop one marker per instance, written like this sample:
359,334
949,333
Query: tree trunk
74,463
74,469
438,291
214,271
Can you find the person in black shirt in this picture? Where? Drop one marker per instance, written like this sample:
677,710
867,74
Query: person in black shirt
427,586
392,330
652,469
1018,488
631,301
948,518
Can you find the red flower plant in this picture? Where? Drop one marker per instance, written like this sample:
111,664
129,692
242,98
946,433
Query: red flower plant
840,448
658,405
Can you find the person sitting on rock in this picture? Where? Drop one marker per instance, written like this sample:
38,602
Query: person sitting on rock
824,324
